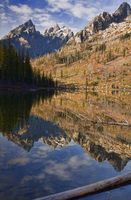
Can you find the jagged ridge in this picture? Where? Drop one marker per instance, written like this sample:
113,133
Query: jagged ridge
103,21
38,44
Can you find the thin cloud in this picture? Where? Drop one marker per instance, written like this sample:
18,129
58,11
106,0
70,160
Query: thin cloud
78,9
81,11
58,5
21,9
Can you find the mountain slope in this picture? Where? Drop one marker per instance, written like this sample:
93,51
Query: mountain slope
37,44
103,21
99,58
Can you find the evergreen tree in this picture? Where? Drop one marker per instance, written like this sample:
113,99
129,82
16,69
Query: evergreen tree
28,69
16,68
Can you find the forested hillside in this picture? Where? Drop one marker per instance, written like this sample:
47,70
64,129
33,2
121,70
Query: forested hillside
15,68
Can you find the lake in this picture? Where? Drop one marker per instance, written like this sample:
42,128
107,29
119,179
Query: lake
50,143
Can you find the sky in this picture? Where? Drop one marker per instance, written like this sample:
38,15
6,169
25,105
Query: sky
45,13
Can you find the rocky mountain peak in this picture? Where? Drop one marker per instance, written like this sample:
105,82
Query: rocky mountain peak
52,29
57,31
28,27
38,44
122,12
124,7
56,27
29,23
101,22
104,21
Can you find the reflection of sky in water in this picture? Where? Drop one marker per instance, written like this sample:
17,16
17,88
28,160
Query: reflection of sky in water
32,162
43,170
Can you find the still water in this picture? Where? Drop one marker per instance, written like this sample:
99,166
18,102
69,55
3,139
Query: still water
52,143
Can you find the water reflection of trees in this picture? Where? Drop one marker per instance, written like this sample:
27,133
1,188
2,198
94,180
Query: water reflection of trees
15,108
101,142
22,128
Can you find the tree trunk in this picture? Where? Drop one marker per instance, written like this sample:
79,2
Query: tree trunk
91,189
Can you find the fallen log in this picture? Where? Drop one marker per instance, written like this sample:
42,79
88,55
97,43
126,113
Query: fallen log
117,124
91,189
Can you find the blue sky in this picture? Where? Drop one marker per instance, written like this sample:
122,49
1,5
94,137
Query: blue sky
45,13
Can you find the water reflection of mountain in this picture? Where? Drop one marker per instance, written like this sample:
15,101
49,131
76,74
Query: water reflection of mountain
55,124
35,129
100,153
86,122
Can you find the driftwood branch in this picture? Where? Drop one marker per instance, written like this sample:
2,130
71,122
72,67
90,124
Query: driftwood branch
91,189
124,123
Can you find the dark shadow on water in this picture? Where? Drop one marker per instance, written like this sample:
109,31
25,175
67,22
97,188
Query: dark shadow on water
15,108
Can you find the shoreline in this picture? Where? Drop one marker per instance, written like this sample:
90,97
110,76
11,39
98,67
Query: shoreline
29,88
22,88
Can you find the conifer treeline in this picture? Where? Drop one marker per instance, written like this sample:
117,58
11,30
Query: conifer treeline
16,68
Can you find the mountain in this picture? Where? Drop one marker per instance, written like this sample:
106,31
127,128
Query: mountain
63,32
103,21
98,55
38,44
122,12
